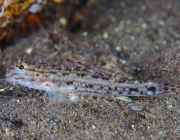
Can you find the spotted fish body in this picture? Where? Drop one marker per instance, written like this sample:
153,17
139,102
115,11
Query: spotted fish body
73,76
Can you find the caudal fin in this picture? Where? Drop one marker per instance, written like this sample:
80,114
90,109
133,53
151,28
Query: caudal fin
167,87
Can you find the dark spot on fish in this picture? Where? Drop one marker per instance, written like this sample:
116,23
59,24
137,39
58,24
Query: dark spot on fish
38,66
91,86
95,76
136,89
108,92
69,82
173,89
53,72
178,86
166,84
153,89
64,74
104,78
166,88
131,89
82,75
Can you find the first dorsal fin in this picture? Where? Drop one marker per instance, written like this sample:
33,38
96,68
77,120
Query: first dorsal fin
76,61
106,68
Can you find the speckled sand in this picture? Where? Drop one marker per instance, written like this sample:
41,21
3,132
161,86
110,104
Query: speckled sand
141,37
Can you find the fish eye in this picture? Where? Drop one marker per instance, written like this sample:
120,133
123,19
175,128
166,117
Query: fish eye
21,67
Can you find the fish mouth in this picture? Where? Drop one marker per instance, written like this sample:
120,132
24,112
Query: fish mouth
9,72
9,76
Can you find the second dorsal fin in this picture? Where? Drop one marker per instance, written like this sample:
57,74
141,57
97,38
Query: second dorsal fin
111,70
76,61
106,68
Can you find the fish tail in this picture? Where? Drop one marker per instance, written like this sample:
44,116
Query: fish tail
165,87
